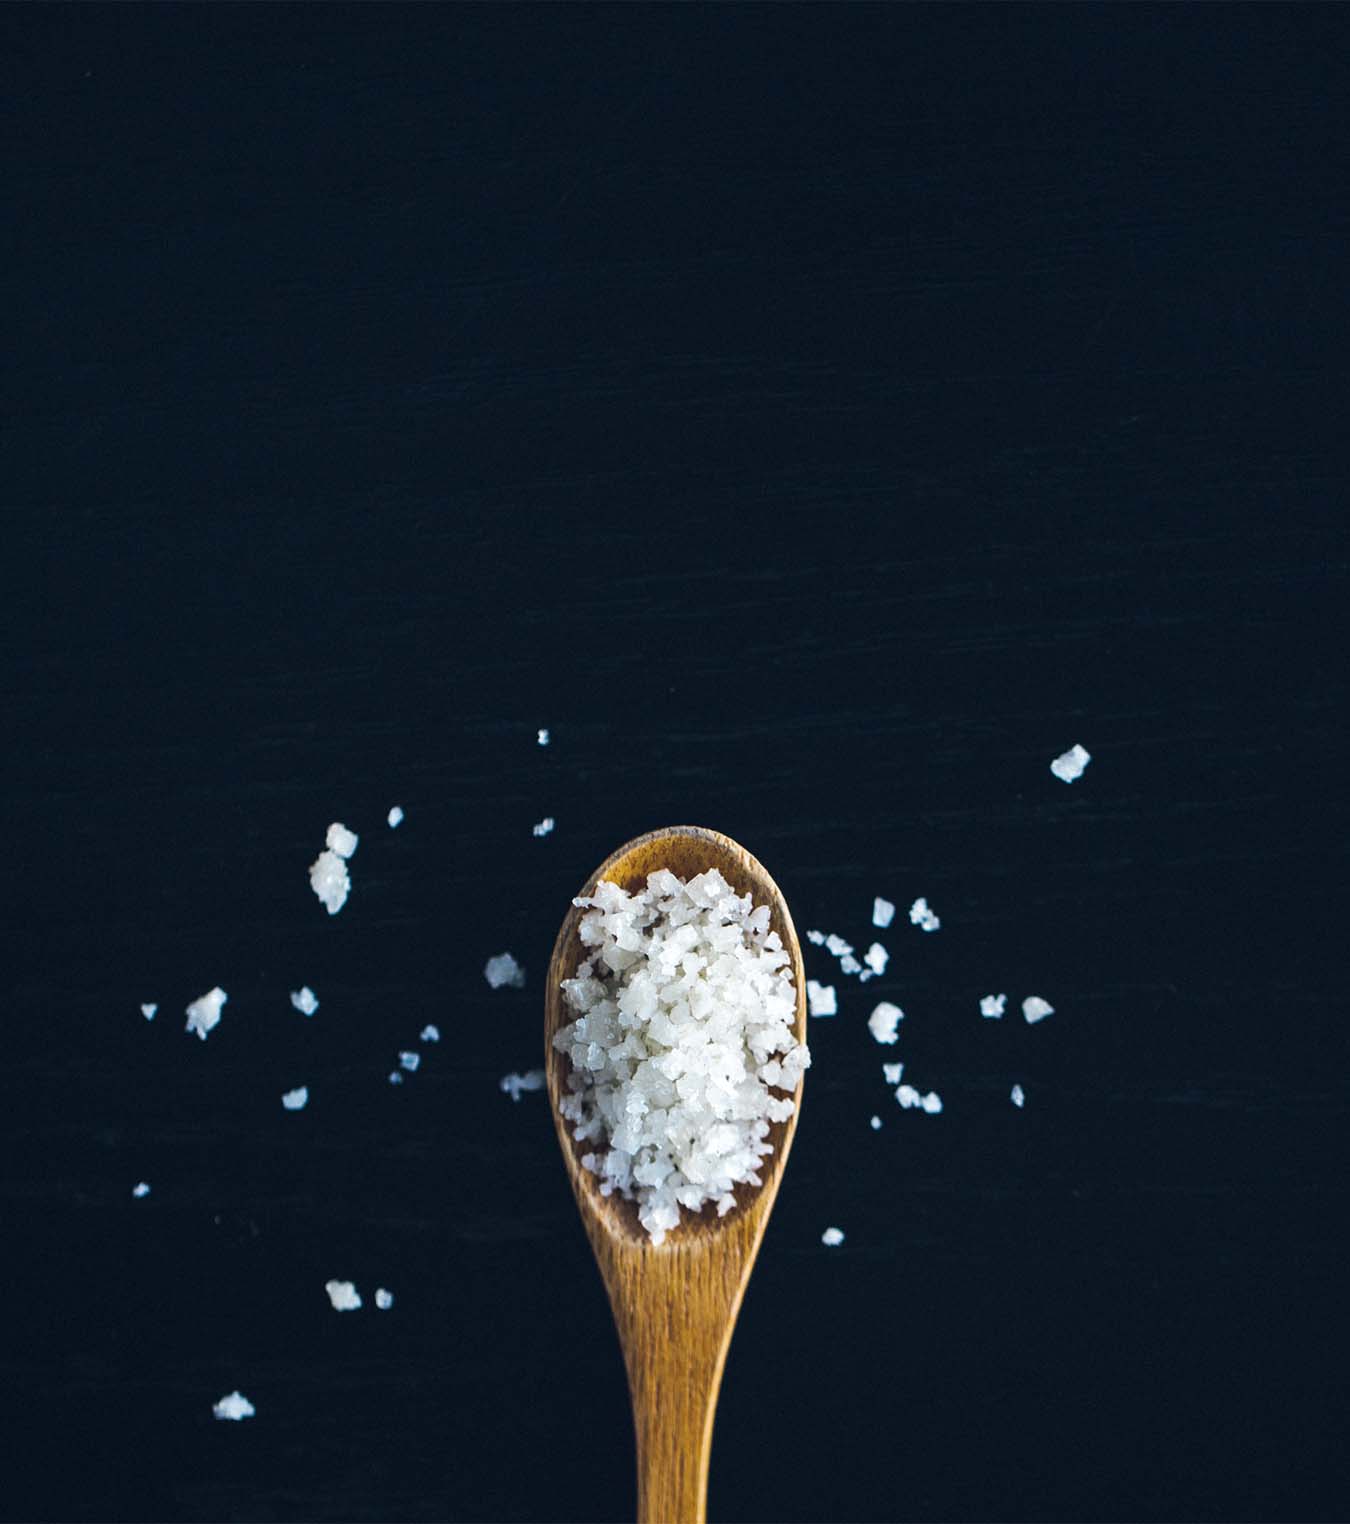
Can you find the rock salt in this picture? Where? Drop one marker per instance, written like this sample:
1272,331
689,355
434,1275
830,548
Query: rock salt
883,912
1070,765
305,1001
429,1034
544,826
932,1103
542,738
920,915
876,1124
330,880
892,1072
504,971
204,1013
817,938
395,816
884,1022
876,958
410,1061
233,1405
343,1295
296,1100
140,1191
384,1300
908,1096
1018,1095
821,999
341,840
148,1011
515,1085
831,1238
1036,1009
992,1005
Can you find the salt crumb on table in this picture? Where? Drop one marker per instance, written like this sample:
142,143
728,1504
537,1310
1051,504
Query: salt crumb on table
1035,1009
1069,765
343,1295
204,1012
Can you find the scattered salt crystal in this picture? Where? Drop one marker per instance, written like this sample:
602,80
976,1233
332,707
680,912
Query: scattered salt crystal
395,816
1071,764
821,999
837,945
908,1096
504,970
430,1034
684,1032
920,915
848,964
816,937
1018,1095
544,826
140,1190
884,1022
395,1077
992,1005
831,1238
343,1295
341,840
204,1013
384,1300
410,1061
330,880
932,1103
304,1000
876,1124
148,1010
1036,1009
542,738
892,1072
514,1084
234,1405
876,958
883,912
296,1100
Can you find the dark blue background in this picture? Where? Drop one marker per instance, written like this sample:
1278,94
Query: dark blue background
819,418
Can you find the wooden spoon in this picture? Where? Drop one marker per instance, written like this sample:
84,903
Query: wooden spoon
675,1306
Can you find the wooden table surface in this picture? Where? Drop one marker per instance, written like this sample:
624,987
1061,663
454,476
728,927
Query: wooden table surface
818,418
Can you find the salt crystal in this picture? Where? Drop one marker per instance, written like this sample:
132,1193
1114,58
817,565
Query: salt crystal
908,1096
304,1000
848,964
410,1061
1071,764
1036,1009
148,1011
920,915
544,826
341,840
932,1103
884,1022
296,1100
140,1190
234,1405
992,1005
1018,1095
876,958
876,1124
204,1013
831,1238
504,970
330,880
515,1084
430,1034
821,999
343,1295
816,937
395,816
892,1072
542,738
837,945
883,912
395,1077
384,1300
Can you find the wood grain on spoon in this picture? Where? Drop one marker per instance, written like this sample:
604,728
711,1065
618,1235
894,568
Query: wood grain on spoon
675,1306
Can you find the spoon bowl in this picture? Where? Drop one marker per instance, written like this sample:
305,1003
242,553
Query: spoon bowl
675,1304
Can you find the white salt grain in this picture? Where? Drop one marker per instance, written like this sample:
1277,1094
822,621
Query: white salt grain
330,880
148,1011
684,1032
821,999
204,1013
542,738
876,1124
296,1100
932,1103
515,1084
138,1191
908,1096
992,1005
305,1001
341,840
343,1295
384,1300
884,1022
817,938
848,964
430,1034
831,1238
395,1078
920,915
837,945
876,958
233,1405
395,816
1071,764
503,970
410,1061
883,912
544,826
1036,1009
1018,1095
892,1072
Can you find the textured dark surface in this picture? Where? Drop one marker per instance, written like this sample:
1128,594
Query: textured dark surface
818,418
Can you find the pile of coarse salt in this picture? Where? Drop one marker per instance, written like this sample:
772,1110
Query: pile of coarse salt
685,1010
